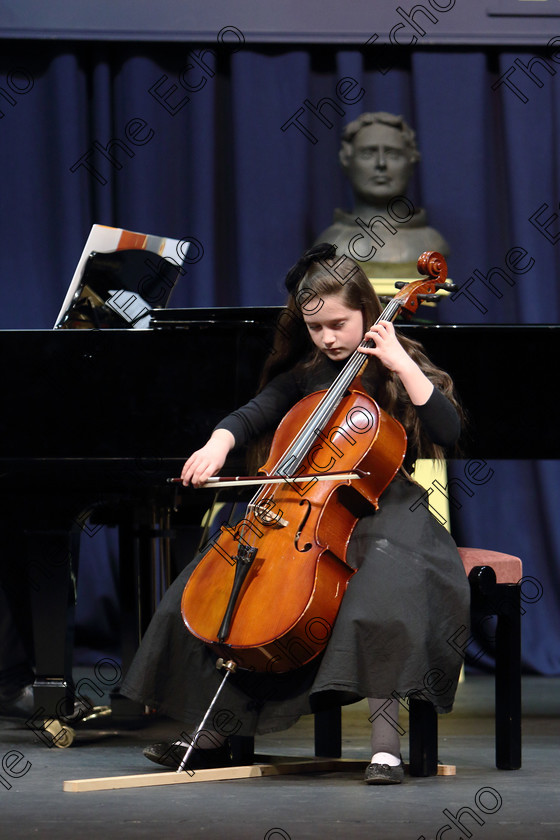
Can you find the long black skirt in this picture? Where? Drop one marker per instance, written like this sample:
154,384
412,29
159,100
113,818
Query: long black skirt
394,636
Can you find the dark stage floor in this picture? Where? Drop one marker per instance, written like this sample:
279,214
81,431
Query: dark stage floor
521,804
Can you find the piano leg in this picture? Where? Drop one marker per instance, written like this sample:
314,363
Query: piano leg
40,557
52,560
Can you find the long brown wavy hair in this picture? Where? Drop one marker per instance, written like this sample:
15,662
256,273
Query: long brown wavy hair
294,349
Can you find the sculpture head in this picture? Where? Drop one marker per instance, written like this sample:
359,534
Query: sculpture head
378,154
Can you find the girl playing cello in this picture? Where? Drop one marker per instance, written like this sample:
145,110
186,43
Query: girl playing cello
410,593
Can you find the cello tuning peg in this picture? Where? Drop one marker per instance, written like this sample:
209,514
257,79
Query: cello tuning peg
447,286
400,284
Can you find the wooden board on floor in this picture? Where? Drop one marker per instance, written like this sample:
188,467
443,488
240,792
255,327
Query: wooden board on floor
280,767
213,775
162,778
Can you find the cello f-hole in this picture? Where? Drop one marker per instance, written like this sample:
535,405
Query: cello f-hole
307,546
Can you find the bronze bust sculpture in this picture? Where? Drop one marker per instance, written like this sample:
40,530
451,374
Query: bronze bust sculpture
385,233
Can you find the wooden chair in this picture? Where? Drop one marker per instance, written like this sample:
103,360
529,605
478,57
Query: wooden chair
495,591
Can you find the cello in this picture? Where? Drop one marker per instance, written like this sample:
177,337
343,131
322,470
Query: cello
267,591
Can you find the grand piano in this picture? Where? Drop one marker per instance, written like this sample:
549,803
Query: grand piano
95,421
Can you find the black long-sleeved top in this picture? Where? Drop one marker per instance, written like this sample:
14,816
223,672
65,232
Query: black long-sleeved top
438,416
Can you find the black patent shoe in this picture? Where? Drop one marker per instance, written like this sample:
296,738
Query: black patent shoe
384,774
171,755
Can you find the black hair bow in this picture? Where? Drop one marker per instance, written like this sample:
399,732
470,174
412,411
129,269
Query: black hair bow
323,251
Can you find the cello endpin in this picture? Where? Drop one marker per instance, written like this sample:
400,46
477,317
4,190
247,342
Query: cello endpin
230,665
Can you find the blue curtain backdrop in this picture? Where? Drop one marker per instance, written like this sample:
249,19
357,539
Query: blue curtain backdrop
206,145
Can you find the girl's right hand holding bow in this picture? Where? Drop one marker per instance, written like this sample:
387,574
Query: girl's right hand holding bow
209,460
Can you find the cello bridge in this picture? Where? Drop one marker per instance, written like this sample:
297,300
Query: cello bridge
266,515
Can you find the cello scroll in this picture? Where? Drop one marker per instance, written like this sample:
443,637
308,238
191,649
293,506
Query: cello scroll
434,266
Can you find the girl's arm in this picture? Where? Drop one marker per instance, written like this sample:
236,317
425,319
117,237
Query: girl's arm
246,423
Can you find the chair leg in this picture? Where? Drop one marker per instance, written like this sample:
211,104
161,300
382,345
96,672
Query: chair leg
328,739
423,737
328,733
508,678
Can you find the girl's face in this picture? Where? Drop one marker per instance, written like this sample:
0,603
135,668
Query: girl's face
335,329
